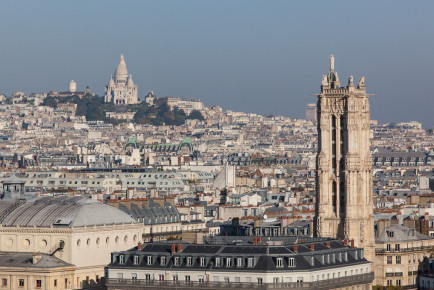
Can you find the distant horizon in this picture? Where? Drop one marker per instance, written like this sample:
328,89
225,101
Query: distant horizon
250,56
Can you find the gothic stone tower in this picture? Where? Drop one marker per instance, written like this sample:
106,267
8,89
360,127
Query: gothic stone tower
344,204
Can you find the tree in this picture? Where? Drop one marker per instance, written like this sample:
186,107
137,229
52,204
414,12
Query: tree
50,102
195,114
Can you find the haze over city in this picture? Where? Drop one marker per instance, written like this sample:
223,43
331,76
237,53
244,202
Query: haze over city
252,56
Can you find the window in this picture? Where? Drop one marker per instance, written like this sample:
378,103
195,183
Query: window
389,259
398,259
201,278
55,282
148,277
397,247
227,279
390,234
38,283
134,276
189,261
398,282
250,262
121,259
136,260
259,280
176,261
389,282
388,246
163,261
21,282
228,262
187,278
4,282
149,260
239,262
160,277
175,277
202,261
275,280
279,262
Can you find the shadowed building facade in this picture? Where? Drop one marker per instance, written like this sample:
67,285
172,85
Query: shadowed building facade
344,203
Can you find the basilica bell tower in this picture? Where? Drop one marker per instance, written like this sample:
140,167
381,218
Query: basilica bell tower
344,203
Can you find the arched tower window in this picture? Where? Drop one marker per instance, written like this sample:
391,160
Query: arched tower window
334,144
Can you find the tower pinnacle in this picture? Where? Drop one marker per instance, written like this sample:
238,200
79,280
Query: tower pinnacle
332,62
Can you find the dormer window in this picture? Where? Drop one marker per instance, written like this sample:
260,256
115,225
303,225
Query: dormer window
239,262
228,262
218,262
121,259
176,261
202,261
291,262
149,260
136,260
390,234
279,262
163,260
189,261
250,262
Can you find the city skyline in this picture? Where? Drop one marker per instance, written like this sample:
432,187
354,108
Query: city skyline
227,54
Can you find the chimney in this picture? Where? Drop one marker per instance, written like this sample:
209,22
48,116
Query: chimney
328,244
36,257
352,243
295,248
173,248
139,246
255,241
345,242
179,247
312,247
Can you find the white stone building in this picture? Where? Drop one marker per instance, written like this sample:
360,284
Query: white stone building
121,89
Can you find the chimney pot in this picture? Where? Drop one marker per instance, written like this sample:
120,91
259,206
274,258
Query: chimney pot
345,242
139,246
328,244
352,243
312,247
295,248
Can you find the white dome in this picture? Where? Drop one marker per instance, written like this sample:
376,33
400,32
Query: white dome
121,72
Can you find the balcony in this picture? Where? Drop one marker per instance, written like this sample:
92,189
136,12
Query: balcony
402,250
113,283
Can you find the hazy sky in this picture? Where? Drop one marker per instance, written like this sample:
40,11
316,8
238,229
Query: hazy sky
253,56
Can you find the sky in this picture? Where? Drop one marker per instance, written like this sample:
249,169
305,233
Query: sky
262,57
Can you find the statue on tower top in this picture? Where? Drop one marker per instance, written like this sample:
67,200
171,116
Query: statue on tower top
332,62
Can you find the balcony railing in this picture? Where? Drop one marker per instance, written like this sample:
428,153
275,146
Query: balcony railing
166,284
402,250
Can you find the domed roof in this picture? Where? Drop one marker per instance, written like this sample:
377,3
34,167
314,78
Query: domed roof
65,211
121,72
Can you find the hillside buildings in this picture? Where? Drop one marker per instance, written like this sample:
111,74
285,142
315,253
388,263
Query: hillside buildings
121,89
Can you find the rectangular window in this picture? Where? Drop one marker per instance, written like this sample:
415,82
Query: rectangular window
134,276
250,262
176,261
239,262
218,262
175,277
201,278
389,282
149,260
163,261
55,282
202,261
259,280
228,262
121,259
148,277
187,278
397,247
279,262
189,261
136,260
160,277
4,282
398,259
389,259
227,279
21,282
388,247
38,283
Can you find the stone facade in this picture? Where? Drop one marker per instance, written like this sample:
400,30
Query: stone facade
344,208
121,90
